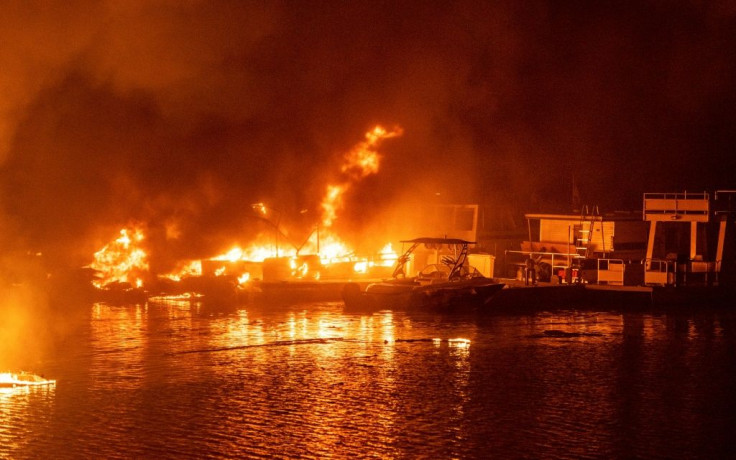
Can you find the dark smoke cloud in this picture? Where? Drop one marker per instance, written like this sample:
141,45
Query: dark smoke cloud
180,114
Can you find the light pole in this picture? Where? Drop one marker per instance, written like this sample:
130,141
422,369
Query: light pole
263,212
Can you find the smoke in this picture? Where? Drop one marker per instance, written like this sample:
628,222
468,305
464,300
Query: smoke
181,114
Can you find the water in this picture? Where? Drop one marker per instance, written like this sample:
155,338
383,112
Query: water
174,380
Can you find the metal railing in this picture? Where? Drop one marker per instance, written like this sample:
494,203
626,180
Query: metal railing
659,271
610,271
675,204
567,257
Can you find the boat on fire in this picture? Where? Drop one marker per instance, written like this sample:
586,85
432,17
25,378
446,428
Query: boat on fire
23,379
447,284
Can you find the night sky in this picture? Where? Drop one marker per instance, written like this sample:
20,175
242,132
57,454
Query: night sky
180,114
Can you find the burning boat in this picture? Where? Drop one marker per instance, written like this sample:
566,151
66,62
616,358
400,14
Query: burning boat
22,379
279,262
447,283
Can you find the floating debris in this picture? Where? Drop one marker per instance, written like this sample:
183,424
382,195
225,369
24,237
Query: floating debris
557,333
22,379
280,343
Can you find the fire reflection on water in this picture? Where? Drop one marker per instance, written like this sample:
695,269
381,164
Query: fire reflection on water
119,337
308,380
24,406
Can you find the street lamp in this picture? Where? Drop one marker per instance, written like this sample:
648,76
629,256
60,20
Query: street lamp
263,211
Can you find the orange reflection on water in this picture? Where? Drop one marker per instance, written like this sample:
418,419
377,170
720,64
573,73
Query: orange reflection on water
22,406
119,336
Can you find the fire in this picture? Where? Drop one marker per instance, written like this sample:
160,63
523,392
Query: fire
332,249
232,255
188,269
255,253
387,256
331,203
121,260
360,162
363,159
124,260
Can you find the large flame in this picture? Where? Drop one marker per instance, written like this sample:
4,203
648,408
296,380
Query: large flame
185,269
361,161
254,253
123,260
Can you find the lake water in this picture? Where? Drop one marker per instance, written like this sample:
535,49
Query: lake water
180,380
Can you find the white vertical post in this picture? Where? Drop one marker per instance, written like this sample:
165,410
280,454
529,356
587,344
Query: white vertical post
693,240
650,243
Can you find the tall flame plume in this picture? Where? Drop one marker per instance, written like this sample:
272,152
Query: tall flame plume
361,161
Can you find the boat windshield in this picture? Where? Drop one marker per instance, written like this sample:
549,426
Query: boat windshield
434,271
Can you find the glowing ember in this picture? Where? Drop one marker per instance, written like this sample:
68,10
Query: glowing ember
261,208
122,260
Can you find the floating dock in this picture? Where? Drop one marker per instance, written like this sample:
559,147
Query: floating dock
518,296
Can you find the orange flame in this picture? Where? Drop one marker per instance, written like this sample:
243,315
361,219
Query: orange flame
121,259
190,268
361,161
254,253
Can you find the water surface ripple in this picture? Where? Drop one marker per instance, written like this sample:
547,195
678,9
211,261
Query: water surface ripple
179,380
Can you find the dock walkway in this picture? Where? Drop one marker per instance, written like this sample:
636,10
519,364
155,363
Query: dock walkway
518,296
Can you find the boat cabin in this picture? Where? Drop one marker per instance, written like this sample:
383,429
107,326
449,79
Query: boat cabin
691,238
561,244
678,239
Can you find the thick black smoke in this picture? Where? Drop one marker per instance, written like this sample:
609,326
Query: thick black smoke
181,115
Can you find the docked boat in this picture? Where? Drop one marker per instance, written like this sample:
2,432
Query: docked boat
22,379
678,251
448,284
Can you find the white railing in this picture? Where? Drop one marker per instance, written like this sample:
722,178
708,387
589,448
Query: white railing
665,206
659,271
562,260
610,271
